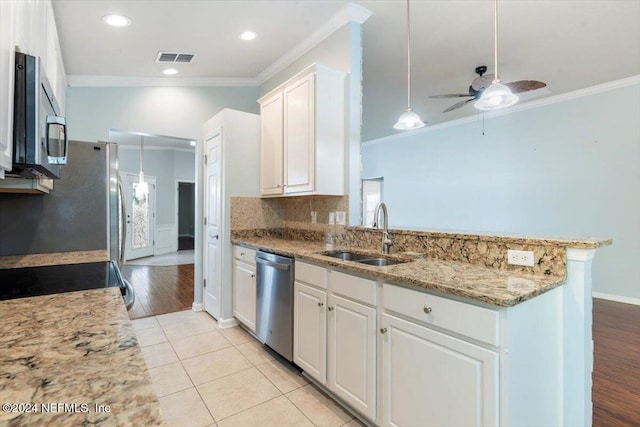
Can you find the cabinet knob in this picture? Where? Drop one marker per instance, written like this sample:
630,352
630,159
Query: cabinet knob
330,308
253,275
383,330
241,253
320,304
427,309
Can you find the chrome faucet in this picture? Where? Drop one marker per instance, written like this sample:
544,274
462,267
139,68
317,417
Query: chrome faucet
386,240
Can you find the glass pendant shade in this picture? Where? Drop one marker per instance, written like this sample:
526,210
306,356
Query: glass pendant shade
496,96
142,189
409,120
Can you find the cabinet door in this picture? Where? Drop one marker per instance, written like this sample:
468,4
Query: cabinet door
271,140
310,331
352,353
433,379
299,136
7,49
244,294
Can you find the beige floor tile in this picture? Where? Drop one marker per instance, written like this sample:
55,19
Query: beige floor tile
237,335
320,409
214,365
158,355
279,412
182,316
234,393
169,379
354,423
146,323
185,409
151,336
282,375
255,352
188,328
199,344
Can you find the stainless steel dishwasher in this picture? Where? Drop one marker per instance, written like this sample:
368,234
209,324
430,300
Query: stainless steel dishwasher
274,323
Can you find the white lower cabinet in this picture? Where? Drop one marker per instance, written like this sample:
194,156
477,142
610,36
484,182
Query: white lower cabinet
244,287
352,354
310,330
432,379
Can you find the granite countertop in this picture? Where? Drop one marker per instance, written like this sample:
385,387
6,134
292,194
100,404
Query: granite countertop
79,349
494,286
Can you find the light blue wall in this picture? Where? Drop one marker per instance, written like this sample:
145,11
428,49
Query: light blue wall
166,166
570,168
172,111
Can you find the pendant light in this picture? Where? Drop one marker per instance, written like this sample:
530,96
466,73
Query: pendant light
142,189
409,120
497,95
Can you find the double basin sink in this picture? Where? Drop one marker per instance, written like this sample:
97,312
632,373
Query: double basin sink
363,258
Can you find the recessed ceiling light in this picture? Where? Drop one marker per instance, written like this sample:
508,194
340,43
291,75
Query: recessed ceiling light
248,35
170,71
116,20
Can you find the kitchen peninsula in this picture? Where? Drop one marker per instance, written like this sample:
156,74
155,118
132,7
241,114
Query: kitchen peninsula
73,359
452,334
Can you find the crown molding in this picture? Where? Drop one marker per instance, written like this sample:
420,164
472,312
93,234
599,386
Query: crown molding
350,12
592,90
130,81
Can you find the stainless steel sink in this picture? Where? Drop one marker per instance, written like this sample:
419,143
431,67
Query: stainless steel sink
347,256
363,258
381,262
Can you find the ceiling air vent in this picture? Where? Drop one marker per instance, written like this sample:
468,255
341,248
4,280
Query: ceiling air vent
173,57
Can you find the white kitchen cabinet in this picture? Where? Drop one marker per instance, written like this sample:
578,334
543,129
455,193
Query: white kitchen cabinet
310,330
271,134
430,378
352,353
244,287
7,47
303,135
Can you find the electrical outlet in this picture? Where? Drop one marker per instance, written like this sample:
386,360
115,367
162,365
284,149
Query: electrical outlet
520,257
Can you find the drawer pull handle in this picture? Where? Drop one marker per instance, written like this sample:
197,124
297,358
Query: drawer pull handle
330,308
320,304
427,309
383,330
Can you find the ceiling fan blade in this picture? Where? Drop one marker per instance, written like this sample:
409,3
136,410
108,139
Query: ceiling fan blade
451,95
458,105
525,85
482,82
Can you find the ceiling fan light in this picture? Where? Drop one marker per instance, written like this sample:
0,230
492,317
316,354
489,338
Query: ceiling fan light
408,121
495,97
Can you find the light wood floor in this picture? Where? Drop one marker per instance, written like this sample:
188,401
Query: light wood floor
616,335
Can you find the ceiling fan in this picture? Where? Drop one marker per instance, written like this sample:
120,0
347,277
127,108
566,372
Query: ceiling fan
483,81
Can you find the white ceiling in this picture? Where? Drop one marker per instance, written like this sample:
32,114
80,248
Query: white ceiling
569,44
134,139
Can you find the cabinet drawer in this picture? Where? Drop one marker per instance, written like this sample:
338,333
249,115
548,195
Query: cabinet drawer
244,254
311,274
465,319
357,288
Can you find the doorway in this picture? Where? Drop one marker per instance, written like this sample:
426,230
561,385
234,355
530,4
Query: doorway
140,221
186,215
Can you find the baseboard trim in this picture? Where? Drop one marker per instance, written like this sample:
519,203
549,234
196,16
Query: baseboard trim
616,298
197,307
227,323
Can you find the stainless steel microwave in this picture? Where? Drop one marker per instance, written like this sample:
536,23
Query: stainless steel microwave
39,132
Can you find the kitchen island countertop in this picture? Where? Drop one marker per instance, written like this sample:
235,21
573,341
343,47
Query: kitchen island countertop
73,359
504,288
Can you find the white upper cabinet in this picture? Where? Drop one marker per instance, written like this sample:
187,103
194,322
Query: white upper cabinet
7,43
303,135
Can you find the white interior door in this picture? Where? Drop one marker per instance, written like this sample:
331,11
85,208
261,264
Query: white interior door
141,217
213,205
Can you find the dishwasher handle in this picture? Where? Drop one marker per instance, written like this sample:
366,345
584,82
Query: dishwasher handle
277,265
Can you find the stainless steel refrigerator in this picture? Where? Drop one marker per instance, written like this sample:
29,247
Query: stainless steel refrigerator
82,213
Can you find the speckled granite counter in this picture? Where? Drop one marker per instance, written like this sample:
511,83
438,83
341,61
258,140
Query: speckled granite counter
79,349
55,258
494,286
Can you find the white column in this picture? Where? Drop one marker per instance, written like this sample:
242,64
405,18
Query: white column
577,338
